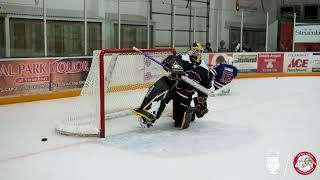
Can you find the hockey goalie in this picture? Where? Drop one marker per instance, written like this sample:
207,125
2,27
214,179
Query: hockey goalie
171,87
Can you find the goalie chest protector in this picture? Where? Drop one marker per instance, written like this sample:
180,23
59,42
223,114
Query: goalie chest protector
199,73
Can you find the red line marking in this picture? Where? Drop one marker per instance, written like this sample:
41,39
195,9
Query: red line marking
45,151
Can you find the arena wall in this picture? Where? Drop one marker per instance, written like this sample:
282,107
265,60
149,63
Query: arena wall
28,79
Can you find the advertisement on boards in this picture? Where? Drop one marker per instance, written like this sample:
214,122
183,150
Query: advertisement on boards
315,62
307,33
245,62
270,62
216,58
297,62
25,76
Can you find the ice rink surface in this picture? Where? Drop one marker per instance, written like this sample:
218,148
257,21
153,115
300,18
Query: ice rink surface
259,118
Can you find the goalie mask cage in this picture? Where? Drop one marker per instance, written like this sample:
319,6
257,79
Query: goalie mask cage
116,83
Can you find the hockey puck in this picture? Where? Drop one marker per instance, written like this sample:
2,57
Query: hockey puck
44,139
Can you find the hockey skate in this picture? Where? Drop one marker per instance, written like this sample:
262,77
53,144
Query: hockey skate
144,120
226,91
145,123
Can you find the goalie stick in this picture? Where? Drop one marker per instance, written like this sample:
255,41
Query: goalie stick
185,78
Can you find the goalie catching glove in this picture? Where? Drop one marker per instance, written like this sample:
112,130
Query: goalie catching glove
200,106
173,65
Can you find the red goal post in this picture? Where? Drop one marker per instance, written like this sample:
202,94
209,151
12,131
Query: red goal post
115,75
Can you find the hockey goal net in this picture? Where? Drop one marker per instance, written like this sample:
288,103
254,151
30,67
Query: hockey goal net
116,83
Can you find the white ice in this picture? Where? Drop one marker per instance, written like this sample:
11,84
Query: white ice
259,118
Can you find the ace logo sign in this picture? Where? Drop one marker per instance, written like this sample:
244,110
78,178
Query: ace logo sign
297,62
298,65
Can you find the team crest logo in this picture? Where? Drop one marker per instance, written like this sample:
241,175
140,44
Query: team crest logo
273,163
193,75
269,64
304,163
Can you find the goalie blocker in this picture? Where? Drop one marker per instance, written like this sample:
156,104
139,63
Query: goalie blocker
173,88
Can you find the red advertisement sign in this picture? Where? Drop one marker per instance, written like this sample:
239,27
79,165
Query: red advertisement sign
41,75
270,62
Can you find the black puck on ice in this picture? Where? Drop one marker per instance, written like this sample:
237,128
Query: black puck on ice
44,139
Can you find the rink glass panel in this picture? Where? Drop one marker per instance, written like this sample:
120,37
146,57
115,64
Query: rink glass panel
253,39
132,35
94,37
66,38
26,38
228,25
2,39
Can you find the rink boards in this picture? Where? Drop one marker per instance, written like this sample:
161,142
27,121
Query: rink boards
250,65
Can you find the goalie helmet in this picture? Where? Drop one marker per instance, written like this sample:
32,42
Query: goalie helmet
195,51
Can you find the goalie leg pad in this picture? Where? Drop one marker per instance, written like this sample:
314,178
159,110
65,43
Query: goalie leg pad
156,99
193,114
183,119
183,114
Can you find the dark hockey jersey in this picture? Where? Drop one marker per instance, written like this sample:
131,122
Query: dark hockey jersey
199,73
223,73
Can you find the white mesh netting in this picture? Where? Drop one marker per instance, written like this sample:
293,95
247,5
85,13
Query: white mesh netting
127,76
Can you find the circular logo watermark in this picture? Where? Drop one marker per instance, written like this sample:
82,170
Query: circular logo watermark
304,163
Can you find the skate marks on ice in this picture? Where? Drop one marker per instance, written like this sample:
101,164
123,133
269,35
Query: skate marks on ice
167,141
